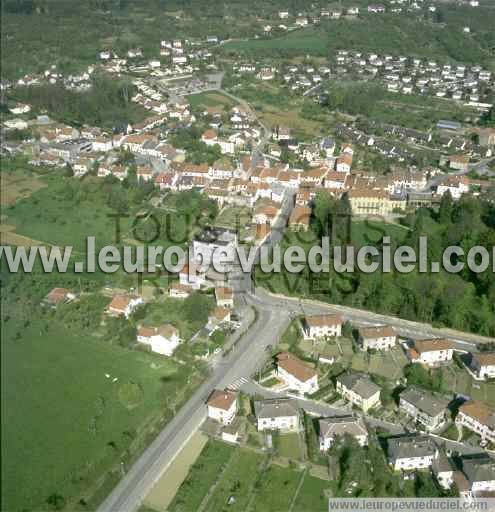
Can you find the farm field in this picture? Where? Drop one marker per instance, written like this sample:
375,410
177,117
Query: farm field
311,496
53,215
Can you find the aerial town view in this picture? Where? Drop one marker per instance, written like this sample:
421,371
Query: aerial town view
247,255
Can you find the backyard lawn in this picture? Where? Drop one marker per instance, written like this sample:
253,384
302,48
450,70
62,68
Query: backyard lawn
290,446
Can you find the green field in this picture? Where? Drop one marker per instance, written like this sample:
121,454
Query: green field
309,40
64,424
211,99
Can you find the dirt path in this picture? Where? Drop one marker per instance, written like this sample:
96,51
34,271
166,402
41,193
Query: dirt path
163,492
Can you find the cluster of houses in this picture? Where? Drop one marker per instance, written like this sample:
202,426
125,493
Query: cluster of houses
471,85
427,412
473,474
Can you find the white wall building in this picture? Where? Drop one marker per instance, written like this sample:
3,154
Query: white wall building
222,406
296,374
277,414
321,326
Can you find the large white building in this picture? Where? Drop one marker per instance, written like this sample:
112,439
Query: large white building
162,340
478,417
377,338
358,389
296,374
432,352
411,452
277,414
222,406
332,428
215,246
321,326
427,409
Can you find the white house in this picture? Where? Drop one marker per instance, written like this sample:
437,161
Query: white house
332,428
411,452
478,417
192,275
431,352
377,338
358,389
123,305
320,326
277,414
296,374
222,406
162,340
427,409
483,365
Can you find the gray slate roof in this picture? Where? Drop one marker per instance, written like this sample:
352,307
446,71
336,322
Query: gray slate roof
410,446
275,408
360,383
341,425
428,403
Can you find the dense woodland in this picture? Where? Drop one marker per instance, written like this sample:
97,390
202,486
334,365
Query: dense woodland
464,301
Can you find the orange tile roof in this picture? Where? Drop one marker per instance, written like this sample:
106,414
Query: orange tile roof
222,399
323,320
293,365
433,345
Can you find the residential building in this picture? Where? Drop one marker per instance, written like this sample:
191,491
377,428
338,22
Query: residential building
299,218
162,340
411,452
321,326
358,389
224,297
222,406
427,409
443,469
58,296
483,365
215,246
479,472
179,291
219,315
277,414
432,352
478,417
123,305
366,201
377,338
338,426
296,374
